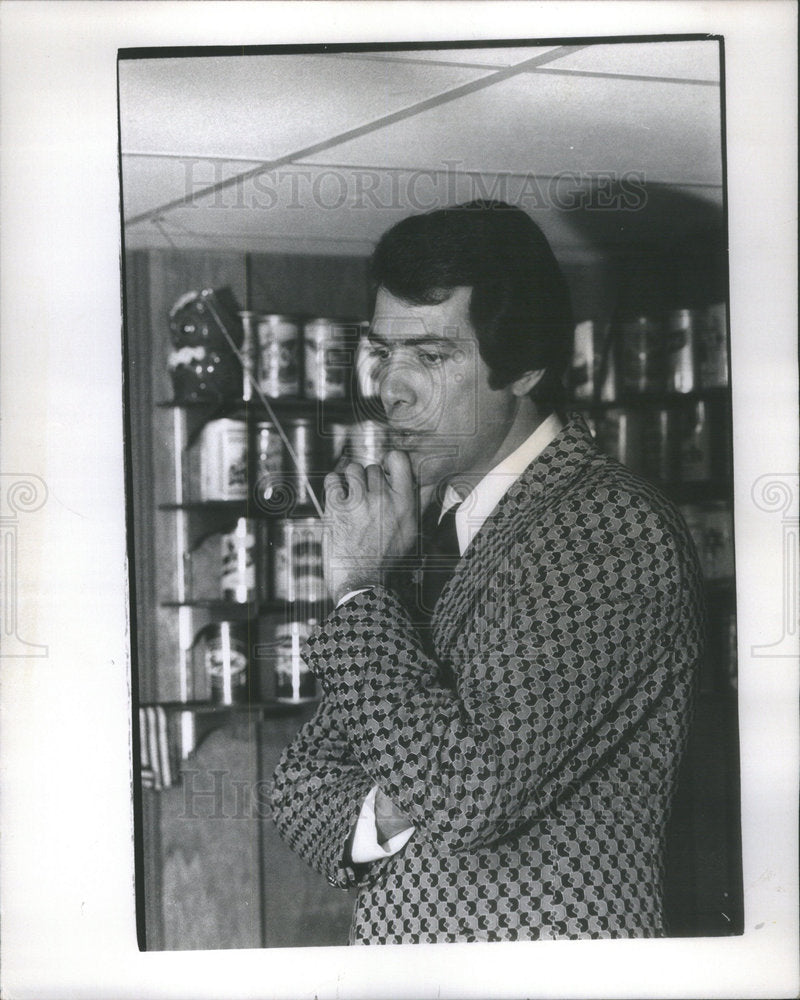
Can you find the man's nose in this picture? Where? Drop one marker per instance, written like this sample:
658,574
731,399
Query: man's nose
397,386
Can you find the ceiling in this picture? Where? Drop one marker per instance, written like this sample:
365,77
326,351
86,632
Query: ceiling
606,145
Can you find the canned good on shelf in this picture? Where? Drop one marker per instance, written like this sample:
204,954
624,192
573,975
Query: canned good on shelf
268,460
607,377
248,352
300,471
695,448
681,350
712,348
223,649
586,349
328,357
297,565
283,672
221,460
711,528
278,356
642,355
238,560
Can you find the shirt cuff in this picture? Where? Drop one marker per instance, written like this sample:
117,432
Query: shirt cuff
365,839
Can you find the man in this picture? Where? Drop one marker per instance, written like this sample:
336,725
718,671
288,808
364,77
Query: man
506,774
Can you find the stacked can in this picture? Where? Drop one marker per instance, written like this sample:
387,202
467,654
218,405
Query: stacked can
221,464
224,654
238,552
713,347
642,355
681,335
297,566
711,528
328,357
301,469
248,352
278,356
585,350
285,675
268,460
695,448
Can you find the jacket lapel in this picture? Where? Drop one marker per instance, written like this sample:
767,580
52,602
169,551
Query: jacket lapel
519,510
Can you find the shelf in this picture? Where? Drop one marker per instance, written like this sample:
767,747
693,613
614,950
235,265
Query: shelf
265,709
237,507
649,400
286,406
171,732
311,609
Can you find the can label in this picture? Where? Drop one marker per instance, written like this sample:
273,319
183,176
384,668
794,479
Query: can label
223,460
301,438
328,359
278,369
298,572
713,347
695,444
269,459
642,361
681,351
226,662
711,528
238,579
248,352
294,682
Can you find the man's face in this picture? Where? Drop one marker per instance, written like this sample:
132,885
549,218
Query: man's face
434,387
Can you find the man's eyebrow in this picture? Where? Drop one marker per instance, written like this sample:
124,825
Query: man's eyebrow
376,338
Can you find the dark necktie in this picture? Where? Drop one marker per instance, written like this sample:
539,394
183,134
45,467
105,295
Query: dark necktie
440,553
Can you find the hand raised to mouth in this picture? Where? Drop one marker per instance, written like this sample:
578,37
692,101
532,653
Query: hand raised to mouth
371,516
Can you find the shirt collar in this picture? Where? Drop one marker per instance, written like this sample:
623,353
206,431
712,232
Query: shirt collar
485,496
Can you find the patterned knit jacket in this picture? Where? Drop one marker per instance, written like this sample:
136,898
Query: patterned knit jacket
540,782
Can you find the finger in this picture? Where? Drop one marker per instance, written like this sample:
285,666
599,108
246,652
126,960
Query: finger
375,478
356,480
399,472
335,489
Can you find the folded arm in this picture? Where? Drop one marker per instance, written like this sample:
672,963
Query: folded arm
546,686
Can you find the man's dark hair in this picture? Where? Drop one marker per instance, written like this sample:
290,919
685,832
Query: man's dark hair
519,307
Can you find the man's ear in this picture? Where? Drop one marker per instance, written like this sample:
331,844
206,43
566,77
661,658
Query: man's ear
523,385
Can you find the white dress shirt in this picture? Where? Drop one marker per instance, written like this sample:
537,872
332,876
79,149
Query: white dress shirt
470,517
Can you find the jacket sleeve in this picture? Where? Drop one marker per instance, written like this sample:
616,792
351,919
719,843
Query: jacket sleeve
571,647
318,789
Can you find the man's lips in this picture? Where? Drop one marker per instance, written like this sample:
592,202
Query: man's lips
407,440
